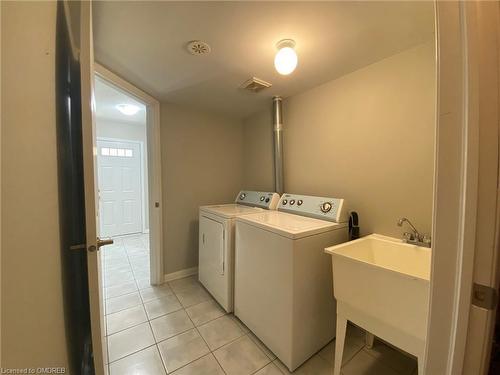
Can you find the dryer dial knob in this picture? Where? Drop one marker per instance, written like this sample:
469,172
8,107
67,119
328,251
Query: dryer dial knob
262,198
326,207
242,196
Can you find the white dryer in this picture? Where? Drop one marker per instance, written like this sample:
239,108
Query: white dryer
283,289
216,241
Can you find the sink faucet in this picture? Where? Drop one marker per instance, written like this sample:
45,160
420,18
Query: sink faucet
414,238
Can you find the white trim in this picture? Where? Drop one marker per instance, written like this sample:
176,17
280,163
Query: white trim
181,274
469,189
456,187
154,167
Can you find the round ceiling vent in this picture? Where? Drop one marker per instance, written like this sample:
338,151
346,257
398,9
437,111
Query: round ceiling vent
197,47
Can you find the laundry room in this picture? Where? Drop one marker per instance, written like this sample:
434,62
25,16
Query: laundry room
295,128
250,187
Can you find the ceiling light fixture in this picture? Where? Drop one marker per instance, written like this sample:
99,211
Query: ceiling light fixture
128,109
286,59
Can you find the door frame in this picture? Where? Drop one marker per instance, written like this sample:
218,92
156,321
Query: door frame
154,167
142,173
461,113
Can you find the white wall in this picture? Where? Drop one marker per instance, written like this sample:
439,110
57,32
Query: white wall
201,164
33,331
106,128
367,137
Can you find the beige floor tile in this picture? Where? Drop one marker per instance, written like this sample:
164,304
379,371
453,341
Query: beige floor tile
119,278
145,362
116,264
192,296
125,319
262,346
162,306
155,292
129,341
313,366
204,312
241,357
143,283
142,274
404,364
364,364
182,349
206,365
170,325
351,347
184,283
270,369
220,331
121,289
122,302
240,324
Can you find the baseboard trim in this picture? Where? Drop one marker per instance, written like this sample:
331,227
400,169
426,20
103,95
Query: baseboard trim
180,274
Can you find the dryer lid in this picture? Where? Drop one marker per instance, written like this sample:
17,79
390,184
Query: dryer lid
230,210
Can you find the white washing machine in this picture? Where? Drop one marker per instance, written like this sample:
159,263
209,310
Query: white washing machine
216,241
283,278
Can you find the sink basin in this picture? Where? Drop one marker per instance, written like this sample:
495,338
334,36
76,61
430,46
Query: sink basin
382,285
388,253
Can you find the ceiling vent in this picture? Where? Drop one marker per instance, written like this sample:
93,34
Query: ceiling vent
255,84
197,47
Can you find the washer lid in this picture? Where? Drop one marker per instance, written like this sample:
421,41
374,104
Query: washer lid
230,210
289,225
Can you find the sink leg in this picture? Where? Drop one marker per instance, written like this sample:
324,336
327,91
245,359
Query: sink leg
369,340
339,343
420,364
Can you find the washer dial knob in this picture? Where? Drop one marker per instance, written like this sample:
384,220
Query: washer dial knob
299,202
326,207
262,198
284,202
292,202
242,196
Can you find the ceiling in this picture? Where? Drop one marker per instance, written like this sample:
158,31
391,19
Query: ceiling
145,42
107,97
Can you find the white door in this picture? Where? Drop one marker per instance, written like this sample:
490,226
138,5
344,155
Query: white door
212,259
90,188
120,187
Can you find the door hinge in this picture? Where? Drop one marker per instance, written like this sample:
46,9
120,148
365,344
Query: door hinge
484,296
203,240
223,235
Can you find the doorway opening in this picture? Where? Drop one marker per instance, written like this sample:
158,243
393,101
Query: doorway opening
121,156
128,171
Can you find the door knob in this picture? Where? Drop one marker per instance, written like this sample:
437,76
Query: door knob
104,242
107,241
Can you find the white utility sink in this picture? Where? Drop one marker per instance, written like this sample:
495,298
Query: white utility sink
382,285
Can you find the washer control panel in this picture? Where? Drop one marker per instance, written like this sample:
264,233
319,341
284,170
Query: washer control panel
325,208
262,199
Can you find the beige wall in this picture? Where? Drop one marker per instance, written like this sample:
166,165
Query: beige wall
201,164
32,307
367,137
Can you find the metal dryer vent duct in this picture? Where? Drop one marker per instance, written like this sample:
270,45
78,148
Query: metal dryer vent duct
278,144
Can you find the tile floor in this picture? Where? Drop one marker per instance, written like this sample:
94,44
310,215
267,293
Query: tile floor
178,328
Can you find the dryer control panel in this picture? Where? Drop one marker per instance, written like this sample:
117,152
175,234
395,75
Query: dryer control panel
262,199
325,208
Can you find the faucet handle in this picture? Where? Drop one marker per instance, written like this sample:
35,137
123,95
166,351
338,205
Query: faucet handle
407,236
427,240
